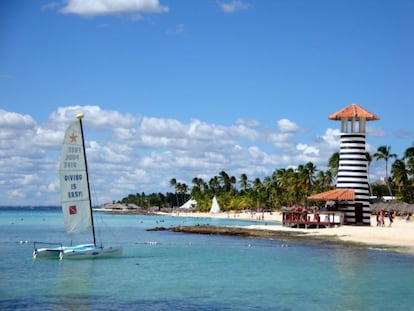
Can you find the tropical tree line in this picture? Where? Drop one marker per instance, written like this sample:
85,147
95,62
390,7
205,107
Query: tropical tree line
285,187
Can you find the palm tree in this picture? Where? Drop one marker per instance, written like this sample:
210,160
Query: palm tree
384,153
196,190
329,179
333,164
409,153
233,182
224,181
399,173
409,158
322,181
243,182
303,181
257,187
214,184
173,183
311,170
182,189
275,194
288,181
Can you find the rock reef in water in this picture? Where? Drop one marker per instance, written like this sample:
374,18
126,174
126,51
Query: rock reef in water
236,231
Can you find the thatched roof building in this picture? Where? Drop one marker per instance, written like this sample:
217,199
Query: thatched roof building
401,208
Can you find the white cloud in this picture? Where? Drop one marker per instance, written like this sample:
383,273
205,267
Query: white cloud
233,6
12,120
129,153
177,30
15,194
319,149
308,150
286,125
331,138
162,127
375,131
112,7
249,123
282,140
94,116
284,137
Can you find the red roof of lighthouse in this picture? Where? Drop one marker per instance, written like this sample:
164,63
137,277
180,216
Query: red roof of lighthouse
351,111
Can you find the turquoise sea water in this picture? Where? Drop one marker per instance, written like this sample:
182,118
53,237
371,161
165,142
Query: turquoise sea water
193,272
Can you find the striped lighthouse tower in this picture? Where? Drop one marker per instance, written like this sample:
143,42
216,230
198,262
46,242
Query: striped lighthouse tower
353,165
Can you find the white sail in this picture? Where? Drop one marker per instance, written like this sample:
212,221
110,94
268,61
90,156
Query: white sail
215,208
76,203
74,183
189,204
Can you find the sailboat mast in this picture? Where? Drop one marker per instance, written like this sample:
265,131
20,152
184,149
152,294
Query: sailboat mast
79,117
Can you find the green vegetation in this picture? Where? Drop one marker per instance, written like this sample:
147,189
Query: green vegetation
285,187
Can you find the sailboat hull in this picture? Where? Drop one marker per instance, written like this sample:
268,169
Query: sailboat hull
78,251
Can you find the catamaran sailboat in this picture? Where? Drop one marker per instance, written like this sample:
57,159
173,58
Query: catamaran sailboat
76,200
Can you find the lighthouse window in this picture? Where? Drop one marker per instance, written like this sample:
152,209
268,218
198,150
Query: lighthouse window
354,125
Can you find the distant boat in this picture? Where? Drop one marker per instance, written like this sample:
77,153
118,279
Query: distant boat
189,204
215,207
76,201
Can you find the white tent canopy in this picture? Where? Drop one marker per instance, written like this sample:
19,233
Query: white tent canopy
215,208
189,204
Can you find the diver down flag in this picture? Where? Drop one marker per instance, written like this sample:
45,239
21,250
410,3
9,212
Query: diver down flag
72,210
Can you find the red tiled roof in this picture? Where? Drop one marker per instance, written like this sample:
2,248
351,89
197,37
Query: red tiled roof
353,110
334,195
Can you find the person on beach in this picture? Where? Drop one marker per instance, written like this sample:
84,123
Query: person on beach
390,218
316,215
381,220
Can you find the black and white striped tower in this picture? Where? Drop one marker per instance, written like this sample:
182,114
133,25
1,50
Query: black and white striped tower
353,165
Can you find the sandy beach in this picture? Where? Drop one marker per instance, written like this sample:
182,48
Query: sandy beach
400,235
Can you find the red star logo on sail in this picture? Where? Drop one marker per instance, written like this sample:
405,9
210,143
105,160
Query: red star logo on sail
72,210
73,138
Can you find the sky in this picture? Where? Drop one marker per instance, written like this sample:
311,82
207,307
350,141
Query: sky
184,89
